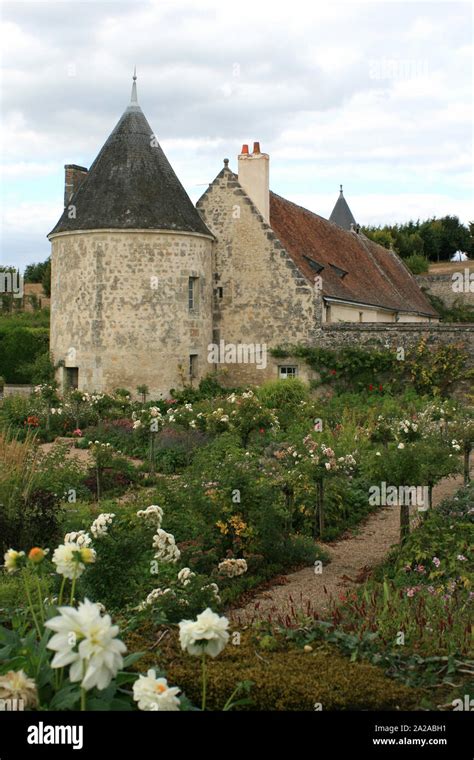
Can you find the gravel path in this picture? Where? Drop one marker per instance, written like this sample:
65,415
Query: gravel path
81,455
351,561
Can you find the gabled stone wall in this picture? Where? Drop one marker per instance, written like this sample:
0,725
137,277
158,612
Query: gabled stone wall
260,297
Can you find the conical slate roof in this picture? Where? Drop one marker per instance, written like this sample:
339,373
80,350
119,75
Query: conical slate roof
131,185
341,213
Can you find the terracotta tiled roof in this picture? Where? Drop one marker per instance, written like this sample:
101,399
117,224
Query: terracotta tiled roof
354,268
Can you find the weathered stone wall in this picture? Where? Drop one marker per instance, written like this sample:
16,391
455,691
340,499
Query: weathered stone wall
405,335
458,285
16,390
120,307
264,298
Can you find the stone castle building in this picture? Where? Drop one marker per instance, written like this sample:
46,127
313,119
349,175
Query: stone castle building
144,284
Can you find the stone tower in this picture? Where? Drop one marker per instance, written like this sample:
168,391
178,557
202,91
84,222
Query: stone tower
131,284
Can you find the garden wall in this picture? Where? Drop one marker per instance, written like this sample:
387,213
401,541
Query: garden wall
401,334
443,286
17,390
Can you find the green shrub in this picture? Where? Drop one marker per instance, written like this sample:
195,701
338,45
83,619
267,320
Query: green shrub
276,394
19,348
32,487
286,679
121,574
417,264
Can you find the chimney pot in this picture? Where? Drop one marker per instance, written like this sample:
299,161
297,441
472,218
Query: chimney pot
256,147
74,177
245,148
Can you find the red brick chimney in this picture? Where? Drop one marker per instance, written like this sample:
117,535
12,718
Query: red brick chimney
74,176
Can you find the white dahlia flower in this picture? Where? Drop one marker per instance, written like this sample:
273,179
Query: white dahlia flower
101,524
153,693
16,685
185,575
87,641
79,537
13,560
232,567
71,559
152,515
165,545
207,634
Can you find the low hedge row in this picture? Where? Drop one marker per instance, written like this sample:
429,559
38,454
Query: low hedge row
287,679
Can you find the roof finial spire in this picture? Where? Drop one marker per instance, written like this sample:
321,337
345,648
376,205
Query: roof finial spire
133,97
340,189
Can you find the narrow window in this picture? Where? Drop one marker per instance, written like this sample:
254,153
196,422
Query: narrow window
361,316
285,372
220,292
72,377
192,366
192,293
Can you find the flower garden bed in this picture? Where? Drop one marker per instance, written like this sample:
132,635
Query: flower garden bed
232,490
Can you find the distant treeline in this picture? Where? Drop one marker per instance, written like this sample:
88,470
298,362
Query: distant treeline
40,273
434,239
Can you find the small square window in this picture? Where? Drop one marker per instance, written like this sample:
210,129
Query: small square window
285,372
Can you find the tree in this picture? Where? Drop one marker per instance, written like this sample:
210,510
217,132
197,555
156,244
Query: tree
40,273
430,232
46,279
437,239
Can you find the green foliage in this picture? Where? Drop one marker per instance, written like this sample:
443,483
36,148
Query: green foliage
422,591
435,239
121,573
434,371
459,311
35,272
209,387
25,649
417,263
41,370
284,677
429,370
446,533
349,368
33,487
277,393
19,348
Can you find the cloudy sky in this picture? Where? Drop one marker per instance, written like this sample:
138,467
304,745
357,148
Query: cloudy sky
376,96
